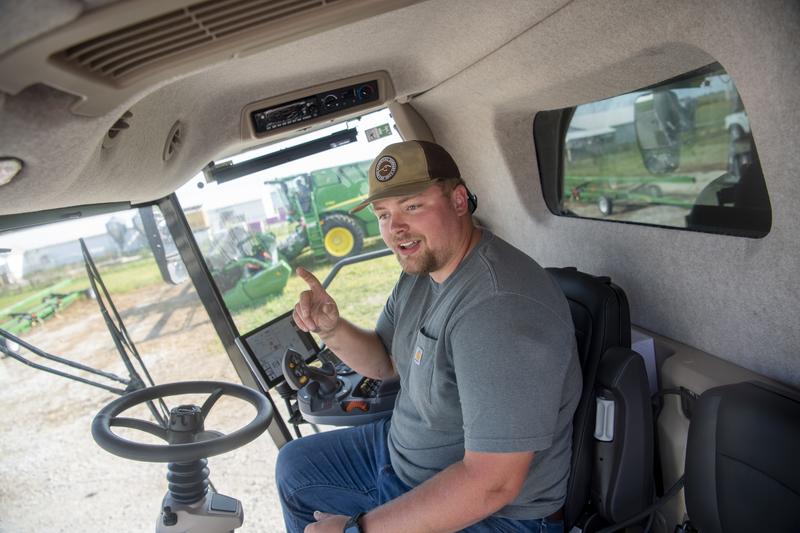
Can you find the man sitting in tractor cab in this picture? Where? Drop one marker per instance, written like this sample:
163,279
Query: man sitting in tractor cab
303,193
483,342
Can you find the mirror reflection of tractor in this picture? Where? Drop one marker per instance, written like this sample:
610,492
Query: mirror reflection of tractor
319,204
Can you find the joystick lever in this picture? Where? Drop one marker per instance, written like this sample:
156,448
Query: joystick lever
298,374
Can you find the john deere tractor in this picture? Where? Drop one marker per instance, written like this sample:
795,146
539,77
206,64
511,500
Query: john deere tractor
320,202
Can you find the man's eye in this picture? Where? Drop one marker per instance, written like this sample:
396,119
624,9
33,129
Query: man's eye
382,216
412,207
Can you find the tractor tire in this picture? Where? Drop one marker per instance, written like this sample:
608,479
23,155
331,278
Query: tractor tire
605,205
343,236
652,190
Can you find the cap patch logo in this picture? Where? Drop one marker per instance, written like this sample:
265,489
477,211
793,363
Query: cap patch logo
386,168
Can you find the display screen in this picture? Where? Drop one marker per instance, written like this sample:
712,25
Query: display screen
267,344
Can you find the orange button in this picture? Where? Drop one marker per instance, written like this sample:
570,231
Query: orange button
357,404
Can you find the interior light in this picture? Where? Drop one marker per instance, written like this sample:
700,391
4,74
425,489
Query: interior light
9,168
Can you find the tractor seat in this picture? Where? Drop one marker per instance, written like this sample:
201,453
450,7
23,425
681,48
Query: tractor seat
611,474
742,461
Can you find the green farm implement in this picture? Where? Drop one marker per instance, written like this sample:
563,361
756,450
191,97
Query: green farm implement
247,268
37,308
606,191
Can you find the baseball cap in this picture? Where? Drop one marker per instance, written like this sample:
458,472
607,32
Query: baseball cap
407,168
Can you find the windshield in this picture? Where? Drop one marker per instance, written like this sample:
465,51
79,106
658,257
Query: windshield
48,301
255,230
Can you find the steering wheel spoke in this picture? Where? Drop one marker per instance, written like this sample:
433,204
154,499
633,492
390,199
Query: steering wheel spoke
141,425
210,401
208,435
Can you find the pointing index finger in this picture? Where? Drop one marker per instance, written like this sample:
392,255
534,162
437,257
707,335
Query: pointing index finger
311,280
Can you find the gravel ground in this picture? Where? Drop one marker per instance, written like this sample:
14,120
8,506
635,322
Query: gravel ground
56,479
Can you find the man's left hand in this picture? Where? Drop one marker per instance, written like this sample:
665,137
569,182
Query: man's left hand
327,523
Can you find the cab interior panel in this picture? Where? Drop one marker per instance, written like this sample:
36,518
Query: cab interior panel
685,271
471,75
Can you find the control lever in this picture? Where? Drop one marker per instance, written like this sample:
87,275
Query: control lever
298,374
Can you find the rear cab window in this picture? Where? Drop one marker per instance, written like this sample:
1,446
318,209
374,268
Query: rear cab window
678,154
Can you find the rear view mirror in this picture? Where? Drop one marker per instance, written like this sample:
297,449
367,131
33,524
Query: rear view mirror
164,250
659,119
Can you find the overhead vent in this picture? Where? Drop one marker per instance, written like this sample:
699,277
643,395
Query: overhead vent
106,65
174,141
112,136
127,51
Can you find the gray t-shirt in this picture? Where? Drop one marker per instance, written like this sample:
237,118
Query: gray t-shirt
487,363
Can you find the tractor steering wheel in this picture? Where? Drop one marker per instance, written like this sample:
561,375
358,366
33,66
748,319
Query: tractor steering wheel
187,437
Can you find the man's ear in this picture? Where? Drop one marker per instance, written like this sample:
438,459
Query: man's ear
460,201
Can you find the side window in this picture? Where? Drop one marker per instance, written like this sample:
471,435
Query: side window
678,154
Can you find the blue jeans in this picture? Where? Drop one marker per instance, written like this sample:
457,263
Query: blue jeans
348,471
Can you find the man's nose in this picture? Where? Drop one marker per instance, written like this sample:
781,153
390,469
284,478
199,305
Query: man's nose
398,224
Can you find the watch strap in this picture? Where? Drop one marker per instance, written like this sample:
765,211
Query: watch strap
352,525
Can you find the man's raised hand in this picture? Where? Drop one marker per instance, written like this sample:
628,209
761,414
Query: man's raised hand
315,311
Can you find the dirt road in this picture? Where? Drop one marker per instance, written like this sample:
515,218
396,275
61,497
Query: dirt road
56,479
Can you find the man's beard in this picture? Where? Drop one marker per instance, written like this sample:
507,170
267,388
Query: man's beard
421,264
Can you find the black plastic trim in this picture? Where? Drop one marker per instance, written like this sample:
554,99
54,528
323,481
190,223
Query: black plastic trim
19,221
228,171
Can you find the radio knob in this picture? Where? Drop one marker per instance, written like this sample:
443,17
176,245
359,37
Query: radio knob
365,91
329,101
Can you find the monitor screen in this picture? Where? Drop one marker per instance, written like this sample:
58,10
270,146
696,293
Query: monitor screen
267,344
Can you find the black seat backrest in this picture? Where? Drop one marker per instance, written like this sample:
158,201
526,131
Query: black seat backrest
622,483
742,460
602,320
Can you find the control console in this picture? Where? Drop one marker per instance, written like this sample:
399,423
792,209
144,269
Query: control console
336,395
329,393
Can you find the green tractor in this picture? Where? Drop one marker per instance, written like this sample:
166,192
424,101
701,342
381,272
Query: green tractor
320,202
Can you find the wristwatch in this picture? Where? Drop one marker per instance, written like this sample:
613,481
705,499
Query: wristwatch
352,525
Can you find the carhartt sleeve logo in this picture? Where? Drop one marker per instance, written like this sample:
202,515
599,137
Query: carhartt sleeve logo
417,355
386,168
